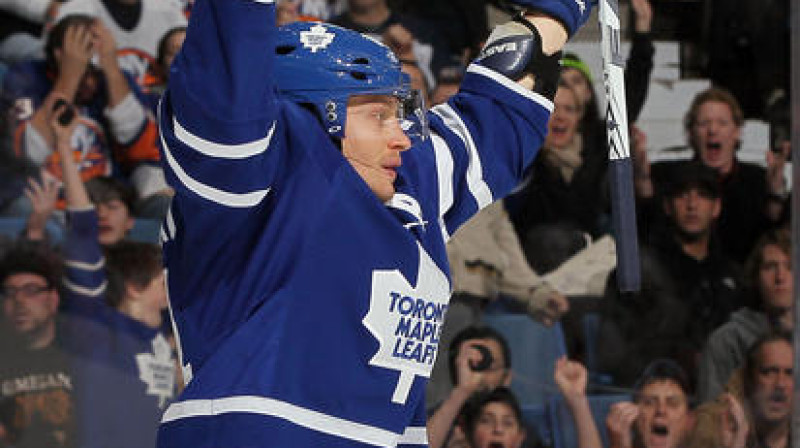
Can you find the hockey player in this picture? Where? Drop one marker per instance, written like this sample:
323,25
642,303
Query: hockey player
305,246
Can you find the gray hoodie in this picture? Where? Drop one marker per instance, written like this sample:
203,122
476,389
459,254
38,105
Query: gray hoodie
725,350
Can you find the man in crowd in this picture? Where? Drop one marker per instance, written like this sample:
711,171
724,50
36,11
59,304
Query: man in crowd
690,286
471,346
756,409
660,414
769,308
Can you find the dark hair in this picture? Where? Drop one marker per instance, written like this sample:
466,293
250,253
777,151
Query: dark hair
130,263
105,189
470,333
780,238
716,94
663,369
471,412
55,39
32,258
162,44
752,361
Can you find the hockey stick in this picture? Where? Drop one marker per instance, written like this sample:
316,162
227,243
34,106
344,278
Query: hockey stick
620,168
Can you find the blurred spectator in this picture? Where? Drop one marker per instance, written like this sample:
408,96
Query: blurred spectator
464,24
44,413
21,23
576,74
478,360
571,378
374,18
97,378
137,26
701,285
109,106
168,47
660,415
448,80
322,9
565,184
757,407
753,199
770,288
136,285
494,419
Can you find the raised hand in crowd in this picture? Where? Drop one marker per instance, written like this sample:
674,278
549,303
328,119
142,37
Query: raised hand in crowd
400,41
43,196
571,378
620,424
643,13
733,424
63,121
641,163
106,49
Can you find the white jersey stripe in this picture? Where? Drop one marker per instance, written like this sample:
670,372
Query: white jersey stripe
239,200
512,85
219,150
96,266
170,222
475,182
82,290
444,169
415,435
307,418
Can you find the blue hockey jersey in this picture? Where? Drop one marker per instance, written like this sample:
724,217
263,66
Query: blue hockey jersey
306,310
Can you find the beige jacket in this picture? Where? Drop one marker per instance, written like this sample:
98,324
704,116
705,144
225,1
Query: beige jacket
486,260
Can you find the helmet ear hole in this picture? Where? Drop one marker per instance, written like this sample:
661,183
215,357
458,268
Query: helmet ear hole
362,61
361,76
285,49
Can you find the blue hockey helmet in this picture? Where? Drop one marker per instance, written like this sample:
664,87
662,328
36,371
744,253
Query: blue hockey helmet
324,65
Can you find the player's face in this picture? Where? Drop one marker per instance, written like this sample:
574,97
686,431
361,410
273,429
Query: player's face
716,135
775,278
29,304
497,426
115,221
694,211
663,414
563,124
773,384
575,79
373,142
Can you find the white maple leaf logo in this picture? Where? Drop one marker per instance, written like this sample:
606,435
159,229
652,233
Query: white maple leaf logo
407,321
157,370
317,38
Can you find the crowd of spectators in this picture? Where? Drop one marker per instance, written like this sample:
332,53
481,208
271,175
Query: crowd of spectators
701,350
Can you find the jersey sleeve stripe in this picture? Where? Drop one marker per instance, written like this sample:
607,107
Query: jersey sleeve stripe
170,223
84,291
475,182
84,266
511,85
414,435
219,150
236,200
444,168
307,418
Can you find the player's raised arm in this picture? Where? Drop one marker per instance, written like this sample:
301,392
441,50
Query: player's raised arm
220,84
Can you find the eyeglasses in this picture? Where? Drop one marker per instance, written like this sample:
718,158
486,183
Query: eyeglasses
26,291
